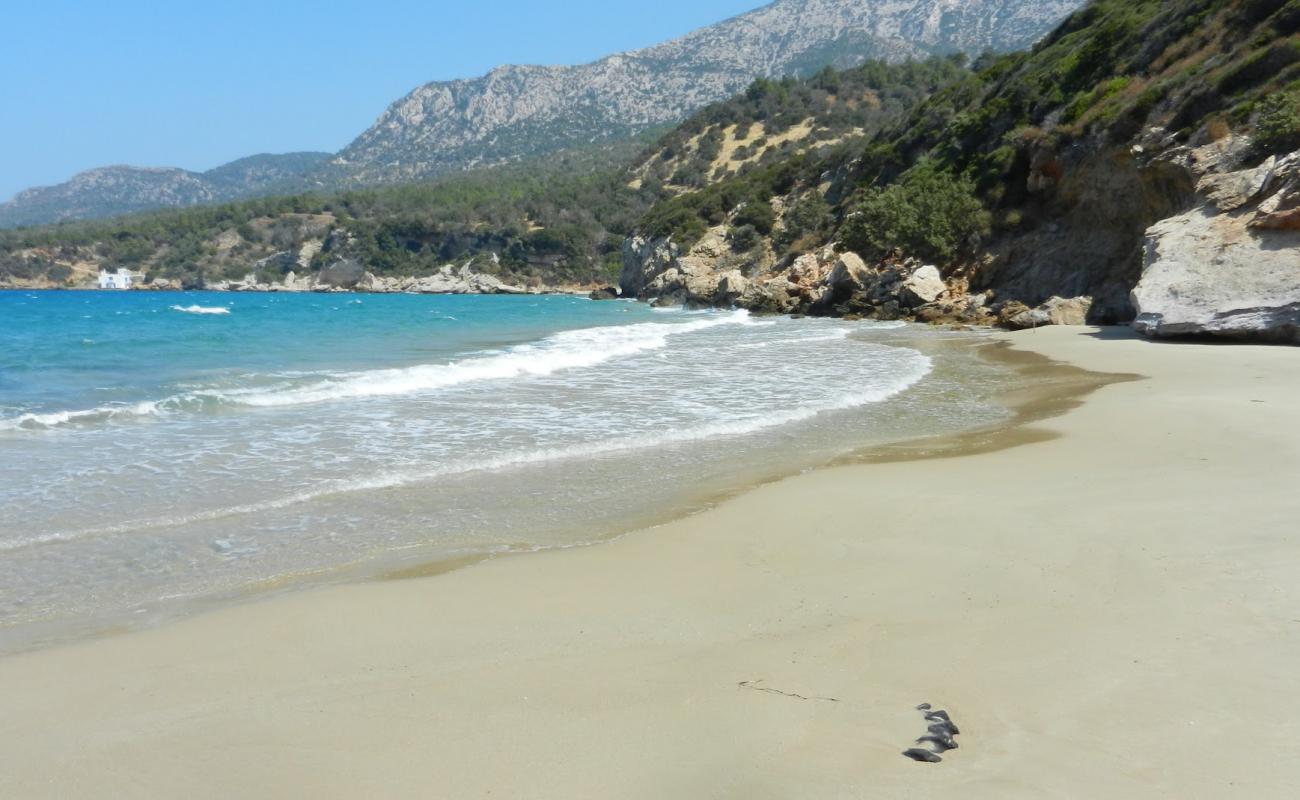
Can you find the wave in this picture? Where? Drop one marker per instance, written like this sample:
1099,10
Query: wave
54,419
916,369
201,309
586,347
576,349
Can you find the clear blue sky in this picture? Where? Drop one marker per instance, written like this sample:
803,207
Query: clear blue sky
197,84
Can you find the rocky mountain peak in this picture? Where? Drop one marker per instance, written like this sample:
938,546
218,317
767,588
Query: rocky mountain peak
518,111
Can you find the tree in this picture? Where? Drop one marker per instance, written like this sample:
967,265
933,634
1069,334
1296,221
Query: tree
1278,125
928,213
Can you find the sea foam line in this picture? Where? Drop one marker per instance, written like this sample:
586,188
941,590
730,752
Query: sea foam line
575,349
918,367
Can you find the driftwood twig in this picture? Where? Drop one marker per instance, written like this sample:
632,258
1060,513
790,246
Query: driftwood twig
755,686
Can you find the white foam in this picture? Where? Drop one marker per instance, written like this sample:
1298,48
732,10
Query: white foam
577,349
585,347
201,309
54,419
917,366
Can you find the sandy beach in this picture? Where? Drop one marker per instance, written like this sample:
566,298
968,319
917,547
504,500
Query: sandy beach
1110,608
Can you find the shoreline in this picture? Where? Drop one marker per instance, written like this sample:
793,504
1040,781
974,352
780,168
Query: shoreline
1091,608
1052,387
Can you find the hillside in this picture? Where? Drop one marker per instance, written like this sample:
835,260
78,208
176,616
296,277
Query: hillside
1038,175
519,112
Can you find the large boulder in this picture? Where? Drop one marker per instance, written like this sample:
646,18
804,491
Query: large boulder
1231,266
1053,311
643,260
925,285
342,274
732,286
850,273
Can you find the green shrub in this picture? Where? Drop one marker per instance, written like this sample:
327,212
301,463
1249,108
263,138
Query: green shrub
928,213
758,213
1278,125
808,215
744,238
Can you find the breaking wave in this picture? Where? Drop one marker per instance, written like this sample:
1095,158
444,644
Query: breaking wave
576,349
216,310
917,367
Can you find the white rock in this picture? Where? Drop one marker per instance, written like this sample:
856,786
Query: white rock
1206,273
923,286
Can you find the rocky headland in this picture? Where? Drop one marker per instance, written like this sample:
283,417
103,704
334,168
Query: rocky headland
1222,258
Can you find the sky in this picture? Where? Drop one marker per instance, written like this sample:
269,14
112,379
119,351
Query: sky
197,84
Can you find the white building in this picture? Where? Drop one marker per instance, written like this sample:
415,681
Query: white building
115,280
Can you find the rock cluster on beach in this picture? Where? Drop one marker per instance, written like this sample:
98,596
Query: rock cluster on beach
826,282
940,730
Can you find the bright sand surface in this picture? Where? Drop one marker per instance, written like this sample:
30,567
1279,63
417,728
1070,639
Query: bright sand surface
1110,612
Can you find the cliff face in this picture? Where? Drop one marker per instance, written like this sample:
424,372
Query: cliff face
1230,266
517,111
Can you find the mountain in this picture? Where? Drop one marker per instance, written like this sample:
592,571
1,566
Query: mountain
110,191
515,112
557,219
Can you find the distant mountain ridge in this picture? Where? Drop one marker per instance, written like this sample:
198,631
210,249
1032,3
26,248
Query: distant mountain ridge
515,112
122,189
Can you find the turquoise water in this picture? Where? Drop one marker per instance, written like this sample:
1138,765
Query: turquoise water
158,450
83,351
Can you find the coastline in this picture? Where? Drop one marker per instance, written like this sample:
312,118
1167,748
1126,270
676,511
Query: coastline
1095,615
1037,381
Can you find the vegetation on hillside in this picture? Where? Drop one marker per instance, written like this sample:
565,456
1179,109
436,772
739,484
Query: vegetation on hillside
560,220
1194,68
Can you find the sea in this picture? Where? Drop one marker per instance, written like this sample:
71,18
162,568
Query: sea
165,452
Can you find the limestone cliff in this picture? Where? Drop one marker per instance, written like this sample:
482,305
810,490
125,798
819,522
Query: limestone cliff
1230,266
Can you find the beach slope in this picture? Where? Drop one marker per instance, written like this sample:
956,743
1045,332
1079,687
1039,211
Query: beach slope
1112,610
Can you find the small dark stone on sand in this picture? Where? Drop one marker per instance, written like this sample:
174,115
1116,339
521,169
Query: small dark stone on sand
920,754
943,729
923,707
941,743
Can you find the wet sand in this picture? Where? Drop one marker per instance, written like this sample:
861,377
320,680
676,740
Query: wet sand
1106,601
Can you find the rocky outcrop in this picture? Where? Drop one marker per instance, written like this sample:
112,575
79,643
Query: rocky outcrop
348,276
1085,211
1230,267
825,282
